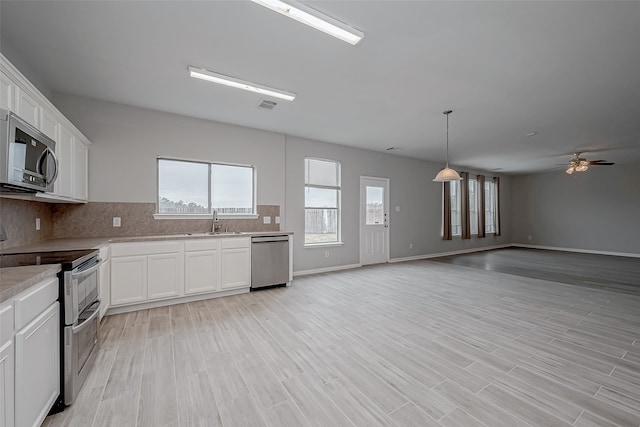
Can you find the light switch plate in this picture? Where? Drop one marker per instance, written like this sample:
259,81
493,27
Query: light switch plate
266,220
397,208
117,221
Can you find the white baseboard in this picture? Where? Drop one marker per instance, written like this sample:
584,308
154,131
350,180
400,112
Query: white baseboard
172,301
441,254
584,251
326,269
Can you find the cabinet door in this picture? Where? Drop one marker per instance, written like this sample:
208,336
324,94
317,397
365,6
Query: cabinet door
235,268
7,89
104,289
50,127
6,384
202,273
165,276
80,170
27,108
128,280
37,363
64,151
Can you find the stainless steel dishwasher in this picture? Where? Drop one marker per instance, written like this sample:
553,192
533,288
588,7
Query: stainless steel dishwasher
269,261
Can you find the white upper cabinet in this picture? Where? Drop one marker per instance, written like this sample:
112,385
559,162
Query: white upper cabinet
80,170
28,108
18,95
7,89
50,126
64,151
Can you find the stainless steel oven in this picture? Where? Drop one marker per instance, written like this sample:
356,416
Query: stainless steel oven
81,327
80,339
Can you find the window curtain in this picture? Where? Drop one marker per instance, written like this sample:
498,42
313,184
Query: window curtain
496,206
446,214
481,207
465,218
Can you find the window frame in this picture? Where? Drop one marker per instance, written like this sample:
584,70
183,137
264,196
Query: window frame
210,164
456,207
473,205
489,206
338,208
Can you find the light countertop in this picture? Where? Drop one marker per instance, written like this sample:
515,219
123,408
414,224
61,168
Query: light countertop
98,242
14,280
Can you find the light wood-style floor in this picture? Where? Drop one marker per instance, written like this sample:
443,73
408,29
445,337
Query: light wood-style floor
422,343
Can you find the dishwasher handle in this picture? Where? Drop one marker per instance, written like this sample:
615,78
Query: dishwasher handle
268,239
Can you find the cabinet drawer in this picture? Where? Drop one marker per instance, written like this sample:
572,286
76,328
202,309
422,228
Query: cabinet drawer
133,249
35,301
235,243
6,322
201,245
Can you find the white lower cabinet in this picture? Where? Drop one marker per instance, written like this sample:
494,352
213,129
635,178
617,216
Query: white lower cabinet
128,279
162,270
235,271
143,272
104,281
201,272
164,275
37,367
7,384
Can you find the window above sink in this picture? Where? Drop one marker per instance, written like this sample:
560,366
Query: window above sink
195,189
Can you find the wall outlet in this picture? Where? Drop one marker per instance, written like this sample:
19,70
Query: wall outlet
326,254
117,221
410,245
277,220
37,224
529,237
397,208
266,220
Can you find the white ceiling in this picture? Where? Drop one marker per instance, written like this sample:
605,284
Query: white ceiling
567,70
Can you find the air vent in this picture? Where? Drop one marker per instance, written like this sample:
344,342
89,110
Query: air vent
267,105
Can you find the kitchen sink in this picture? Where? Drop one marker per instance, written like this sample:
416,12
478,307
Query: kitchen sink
217,233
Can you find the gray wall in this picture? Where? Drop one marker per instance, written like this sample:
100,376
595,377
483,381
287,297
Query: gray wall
597,210
126,141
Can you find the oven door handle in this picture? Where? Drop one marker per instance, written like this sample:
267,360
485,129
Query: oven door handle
81,273
88,320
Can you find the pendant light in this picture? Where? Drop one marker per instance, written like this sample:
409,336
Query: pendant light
447,174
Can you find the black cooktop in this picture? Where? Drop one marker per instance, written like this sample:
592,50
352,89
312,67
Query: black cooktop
68,259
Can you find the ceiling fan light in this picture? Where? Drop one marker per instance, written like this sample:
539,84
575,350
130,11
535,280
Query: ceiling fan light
582,168
447,174
570,170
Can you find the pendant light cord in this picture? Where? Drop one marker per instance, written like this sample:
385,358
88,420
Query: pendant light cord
447,114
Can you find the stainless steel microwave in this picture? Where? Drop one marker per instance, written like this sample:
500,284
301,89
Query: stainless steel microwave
28,161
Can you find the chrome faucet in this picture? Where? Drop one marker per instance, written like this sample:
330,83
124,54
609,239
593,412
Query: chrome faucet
215,222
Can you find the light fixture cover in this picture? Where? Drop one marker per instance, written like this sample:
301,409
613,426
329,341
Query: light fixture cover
210,76
311,17
447,174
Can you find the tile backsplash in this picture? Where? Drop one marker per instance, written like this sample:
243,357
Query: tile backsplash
95,219
18,217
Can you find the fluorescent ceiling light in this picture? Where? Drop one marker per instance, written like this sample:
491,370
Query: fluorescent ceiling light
315,19
210,76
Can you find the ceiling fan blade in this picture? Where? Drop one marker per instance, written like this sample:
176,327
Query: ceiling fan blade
601,164
597,161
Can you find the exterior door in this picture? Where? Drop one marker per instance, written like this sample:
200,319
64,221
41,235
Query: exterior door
374,220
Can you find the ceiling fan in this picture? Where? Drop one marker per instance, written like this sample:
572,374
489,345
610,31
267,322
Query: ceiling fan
580,164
